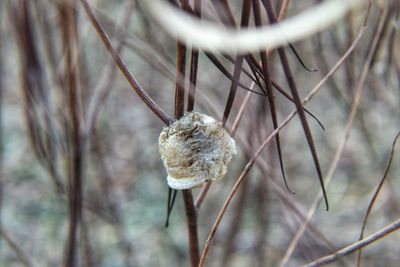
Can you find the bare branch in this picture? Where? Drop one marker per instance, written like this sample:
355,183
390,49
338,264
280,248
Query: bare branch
358,245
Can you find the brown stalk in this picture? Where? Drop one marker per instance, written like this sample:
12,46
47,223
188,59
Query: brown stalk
356,246
191,215
194,58
69,40
375,196
34,91
270,93
234,227
123,68
235,80
299,106
1,130
350,119
256,70
108,73
262,146
22,255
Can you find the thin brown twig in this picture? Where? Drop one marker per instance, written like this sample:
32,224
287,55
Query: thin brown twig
123,68
200,198
340,148
190,209
238,65
267,140
107,75
75,159
375,196
356,246
191,216
270,93
284,8
23,256
1,127
194,58
297,101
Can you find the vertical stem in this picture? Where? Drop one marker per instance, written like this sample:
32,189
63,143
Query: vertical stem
1,129
238,61
179,89
298,104
187,194
192,227
270,93
194,58
69,38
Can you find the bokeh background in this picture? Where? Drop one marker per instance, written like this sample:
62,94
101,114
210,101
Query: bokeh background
124,191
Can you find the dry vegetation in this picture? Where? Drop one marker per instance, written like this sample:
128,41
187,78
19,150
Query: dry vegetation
86,88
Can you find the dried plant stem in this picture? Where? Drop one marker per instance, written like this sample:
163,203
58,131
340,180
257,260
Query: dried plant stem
240,114
375,196
194,58
238,66
19,251
108,73
339,150
1,129
191,215
202,195
297,101
284,8
192,227
356,246
270,92
123,68
75,161
267,140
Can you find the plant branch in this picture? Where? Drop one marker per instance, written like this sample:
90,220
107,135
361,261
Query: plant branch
267,140
356,246
375,196
123,68
343,141
191,215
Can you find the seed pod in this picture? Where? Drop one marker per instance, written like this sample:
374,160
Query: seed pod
194,149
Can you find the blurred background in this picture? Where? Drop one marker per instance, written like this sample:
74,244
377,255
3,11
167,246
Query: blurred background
72,129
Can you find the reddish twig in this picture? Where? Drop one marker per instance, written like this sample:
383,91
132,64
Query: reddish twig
340,148
267,140
375,196
356,246
123,68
